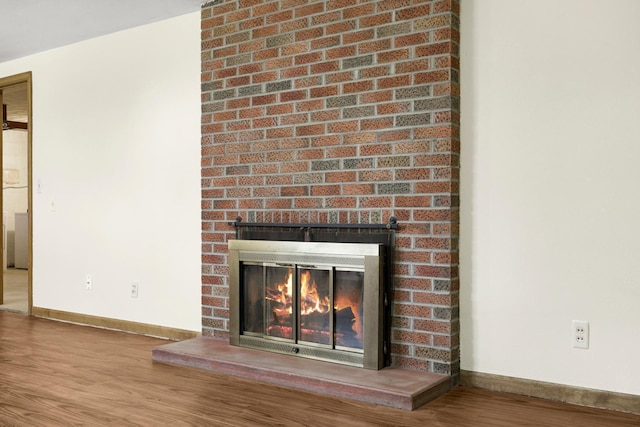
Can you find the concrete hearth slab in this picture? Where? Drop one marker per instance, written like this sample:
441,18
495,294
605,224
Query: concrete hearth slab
397,388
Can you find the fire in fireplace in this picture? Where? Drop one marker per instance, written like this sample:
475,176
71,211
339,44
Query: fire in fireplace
311,299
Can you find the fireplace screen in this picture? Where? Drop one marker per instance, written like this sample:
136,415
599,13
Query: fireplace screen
317,300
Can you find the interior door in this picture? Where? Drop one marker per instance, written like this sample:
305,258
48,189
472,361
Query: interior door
17,179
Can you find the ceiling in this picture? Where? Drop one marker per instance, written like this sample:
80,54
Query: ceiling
32,26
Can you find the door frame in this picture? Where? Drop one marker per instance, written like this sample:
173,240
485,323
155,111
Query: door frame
5,82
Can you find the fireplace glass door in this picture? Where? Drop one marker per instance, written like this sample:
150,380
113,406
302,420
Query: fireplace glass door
318,300
311,305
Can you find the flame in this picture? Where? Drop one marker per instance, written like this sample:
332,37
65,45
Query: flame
310,301
285,295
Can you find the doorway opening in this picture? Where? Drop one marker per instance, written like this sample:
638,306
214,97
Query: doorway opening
15,198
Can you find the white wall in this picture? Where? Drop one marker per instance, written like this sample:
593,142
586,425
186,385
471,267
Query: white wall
550,190
116,148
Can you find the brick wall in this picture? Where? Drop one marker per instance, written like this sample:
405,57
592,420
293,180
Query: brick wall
338,111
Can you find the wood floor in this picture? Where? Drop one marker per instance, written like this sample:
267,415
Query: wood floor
54,373
16,282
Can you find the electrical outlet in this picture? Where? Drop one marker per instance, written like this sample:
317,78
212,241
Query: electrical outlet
134,289
88,282
580,334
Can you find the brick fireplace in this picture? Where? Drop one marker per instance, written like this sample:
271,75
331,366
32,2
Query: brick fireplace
338,111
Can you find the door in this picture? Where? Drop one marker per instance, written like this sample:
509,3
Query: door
15,198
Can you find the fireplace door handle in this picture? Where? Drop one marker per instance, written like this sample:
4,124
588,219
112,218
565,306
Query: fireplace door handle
307,266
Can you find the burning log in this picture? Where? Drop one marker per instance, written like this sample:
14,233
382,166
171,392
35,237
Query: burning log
344,321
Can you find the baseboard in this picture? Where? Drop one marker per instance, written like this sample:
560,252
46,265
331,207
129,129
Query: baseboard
115,324
562,393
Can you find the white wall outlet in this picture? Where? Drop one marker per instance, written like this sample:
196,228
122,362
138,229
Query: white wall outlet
134,289
580,334
88,282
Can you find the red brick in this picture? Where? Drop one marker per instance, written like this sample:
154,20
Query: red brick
270,76
393,108
433,326
340,202
294,143
294,72
342,127
278,63
316,104
325,190
311,9
279,109
325,67
225,115
324,91
375,20
375,150
293,95
295,25
294,49
250,68
340,27
265,8
225,72
325,18
375,202
280,203
263,99
356,87
264,122
365,189
413,12
340,52
325,42
339,4
435,132
309,34
308,203
359,138
294,167
376,124
238,125
284,15
432,215
375,97
252,23
251,112
316,129
325,115
237,103
393,55
340,77
374,175
280,180
280,132
392,82
265,54
354,12
308,58
310,154
325,140
294,119
342,176
358,36
436,49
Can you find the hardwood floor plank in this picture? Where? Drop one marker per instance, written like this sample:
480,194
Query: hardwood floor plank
54,373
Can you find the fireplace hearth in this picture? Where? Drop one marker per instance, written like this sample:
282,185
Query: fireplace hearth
319,300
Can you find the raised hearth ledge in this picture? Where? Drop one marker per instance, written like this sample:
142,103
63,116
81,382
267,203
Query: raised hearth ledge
396,388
